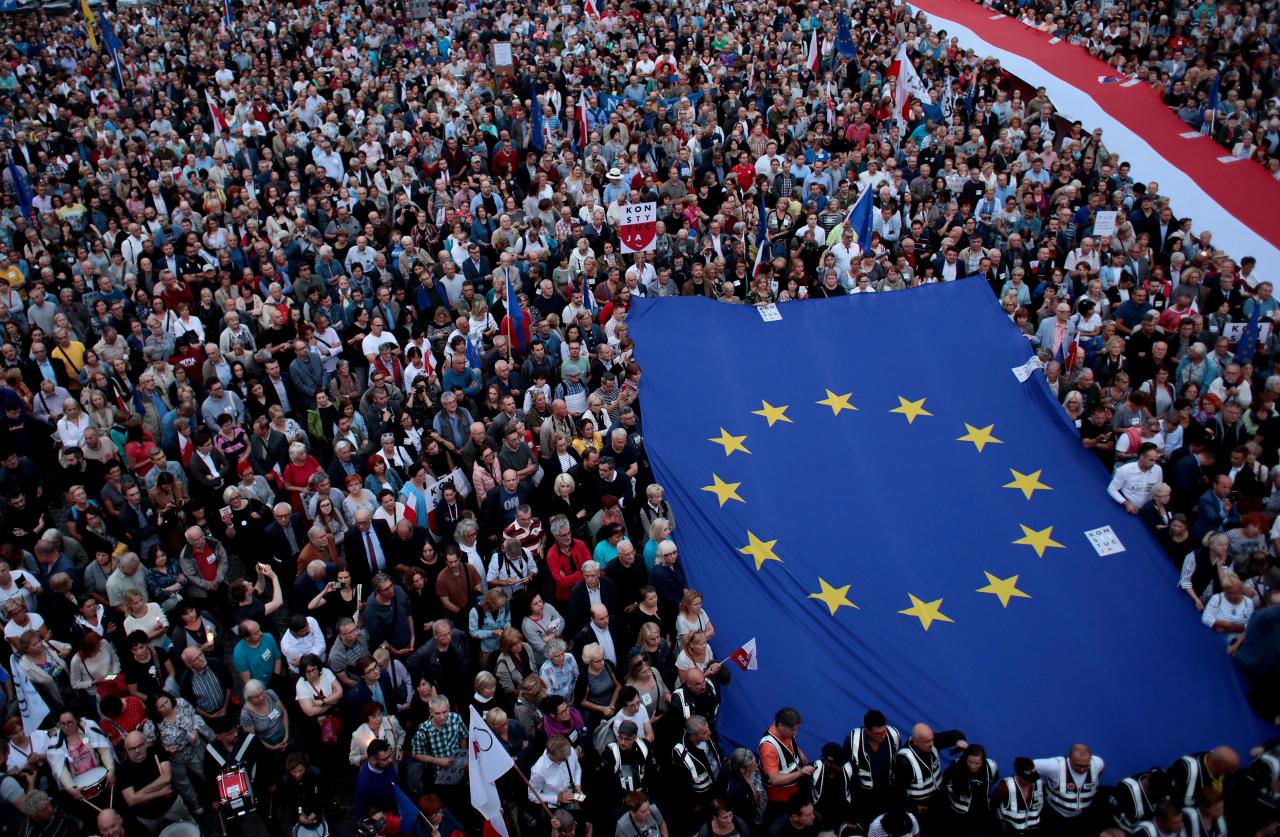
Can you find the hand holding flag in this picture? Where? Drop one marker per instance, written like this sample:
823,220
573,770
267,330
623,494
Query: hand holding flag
487,761
746,656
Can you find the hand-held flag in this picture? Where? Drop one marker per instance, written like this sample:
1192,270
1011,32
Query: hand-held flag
746,656
220,122
487,761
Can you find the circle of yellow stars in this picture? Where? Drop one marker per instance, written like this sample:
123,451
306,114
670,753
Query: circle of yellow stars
834,597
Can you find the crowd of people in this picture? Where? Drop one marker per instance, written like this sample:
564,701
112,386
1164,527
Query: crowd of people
1216,66
322,421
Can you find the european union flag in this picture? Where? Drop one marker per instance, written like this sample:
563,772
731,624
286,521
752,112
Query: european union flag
845,45
1247,345
860,217
904,525
537,127
22,189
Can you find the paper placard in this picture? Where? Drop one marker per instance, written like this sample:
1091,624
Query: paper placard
1023,372
1104,541
769,313
1104,223
1233,331
500,51
1191,135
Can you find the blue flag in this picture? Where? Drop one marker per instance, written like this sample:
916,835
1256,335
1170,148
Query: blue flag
861,215
919,533
1247,346
113,45
537,130
406,810
515,315
845,46
22,190
1215,92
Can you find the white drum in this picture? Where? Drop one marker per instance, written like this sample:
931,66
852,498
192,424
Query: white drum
181,829
92,782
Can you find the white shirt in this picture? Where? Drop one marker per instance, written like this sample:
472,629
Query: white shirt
1134,484
606,643
294,647
324,685
548,778
1218,609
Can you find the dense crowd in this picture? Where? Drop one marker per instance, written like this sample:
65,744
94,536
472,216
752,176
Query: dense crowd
1216,65
291,482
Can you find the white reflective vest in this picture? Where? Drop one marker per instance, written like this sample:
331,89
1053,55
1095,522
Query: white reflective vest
1065,795
695,763
1150,829
1131,791
963,801
630,777
787,759
860,759
1192,763
1019,813
1195,827
926,773
820,778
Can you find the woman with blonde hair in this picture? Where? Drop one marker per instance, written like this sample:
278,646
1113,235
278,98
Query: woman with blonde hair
692,617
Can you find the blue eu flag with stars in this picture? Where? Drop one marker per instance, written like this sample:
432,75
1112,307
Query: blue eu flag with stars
866,487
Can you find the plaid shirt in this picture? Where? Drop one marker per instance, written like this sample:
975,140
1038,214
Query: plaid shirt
440,742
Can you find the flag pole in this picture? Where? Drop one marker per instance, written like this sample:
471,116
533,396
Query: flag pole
525,779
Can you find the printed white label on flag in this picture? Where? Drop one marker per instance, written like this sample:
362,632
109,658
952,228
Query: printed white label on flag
1023,372
770,313
1191,135
639,226
1132,82
1055,40
1104,541
996,17
1230,159
1104,223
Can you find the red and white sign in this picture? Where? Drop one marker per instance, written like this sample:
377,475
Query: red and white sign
639,227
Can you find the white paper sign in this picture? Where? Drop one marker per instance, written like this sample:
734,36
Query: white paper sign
769,313
1023,372
501,54
637,230
1234,331
1105,223
1104,541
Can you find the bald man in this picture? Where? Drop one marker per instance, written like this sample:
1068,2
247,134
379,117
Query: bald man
1071,785
110,824
1192,772
146,785
917,769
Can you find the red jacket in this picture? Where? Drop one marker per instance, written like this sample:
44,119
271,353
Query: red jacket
567,569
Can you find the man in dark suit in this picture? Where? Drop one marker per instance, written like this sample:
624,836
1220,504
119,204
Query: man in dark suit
593,589
600,629
344,465
1189,477
41,365
209,469
404,547
368,534
475,267
284,538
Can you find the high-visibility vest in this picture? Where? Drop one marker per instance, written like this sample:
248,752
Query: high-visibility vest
1131,789
1019,814
926,773
820,778
1193,779
1195,827
696,766
861,759
632,779
1068,798
963,801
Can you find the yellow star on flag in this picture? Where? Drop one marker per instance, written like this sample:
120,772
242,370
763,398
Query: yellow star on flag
730,442
724,491
1003,588
833,597
926,612
1028,484
760,550
980,436
838,402
911,409
1038,539
772,413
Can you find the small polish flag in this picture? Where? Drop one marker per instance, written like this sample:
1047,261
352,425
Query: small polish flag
746,656
584,130
591,10
220,122
814,58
